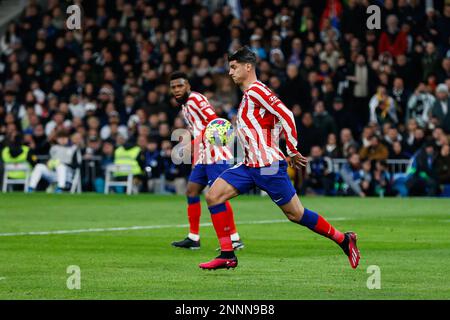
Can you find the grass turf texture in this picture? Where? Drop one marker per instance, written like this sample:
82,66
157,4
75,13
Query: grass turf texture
409,239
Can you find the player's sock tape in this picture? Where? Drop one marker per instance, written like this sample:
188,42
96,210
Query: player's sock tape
309,219
221,207
193,200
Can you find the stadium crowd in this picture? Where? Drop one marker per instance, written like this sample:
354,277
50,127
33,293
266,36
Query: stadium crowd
359,94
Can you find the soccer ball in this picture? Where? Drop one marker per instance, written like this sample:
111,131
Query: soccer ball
219,132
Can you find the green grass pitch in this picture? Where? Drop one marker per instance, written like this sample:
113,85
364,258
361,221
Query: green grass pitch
408,239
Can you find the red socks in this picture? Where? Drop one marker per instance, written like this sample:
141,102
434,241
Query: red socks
324,228
220,219
321,226
230,218
194,212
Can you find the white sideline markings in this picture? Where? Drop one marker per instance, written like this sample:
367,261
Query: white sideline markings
43,233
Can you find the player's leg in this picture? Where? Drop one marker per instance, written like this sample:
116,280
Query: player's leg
280,189
216,197
194,209
234,235
231,183
196,183
296,213
214,171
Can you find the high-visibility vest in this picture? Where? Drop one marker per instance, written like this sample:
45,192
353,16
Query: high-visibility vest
127,157
21,158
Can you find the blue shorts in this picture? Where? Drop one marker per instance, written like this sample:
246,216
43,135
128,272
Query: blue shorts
206,174
272,179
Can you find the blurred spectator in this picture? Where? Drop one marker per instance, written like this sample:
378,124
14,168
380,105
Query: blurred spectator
393,40
331,147
430,60
397,152
360,78
400,96
440,110
420,105
175,175
255,45
107,158
442,22
309,133
291,91
12,106
423,179
58,123
113,128
444,72
391,137
64,158
346,142
330,55
382,179
382,108
15,152
342,117
443,165
153,166
353,18
351,175
296,53
40,143
366,182
323,122
128,153
375,151
92,169
319,178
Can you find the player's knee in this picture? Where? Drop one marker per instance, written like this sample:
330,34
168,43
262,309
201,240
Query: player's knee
209,197
190,192
212,198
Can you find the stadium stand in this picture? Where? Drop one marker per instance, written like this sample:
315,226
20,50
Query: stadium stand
372,103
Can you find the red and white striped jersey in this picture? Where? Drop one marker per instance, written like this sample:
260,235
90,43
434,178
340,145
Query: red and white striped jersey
261,119
198,112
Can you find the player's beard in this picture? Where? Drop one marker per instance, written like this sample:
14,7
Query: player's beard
183,98
238,81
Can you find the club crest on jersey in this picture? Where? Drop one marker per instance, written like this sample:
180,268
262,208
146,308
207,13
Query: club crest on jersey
273,100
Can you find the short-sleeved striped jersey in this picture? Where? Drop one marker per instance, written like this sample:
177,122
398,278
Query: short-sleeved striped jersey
261,118
198,112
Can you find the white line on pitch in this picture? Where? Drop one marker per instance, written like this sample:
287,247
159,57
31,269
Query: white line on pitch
2,278
43,233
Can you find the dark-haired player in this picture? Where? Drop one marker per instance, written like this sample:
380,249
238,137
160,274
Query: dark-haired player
209,161
261,117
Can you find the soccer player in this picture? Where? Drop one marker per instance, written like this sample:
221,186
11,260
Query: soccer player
261,117
209,161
